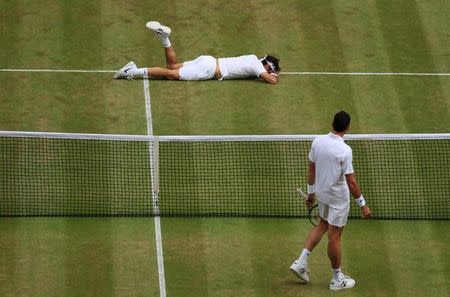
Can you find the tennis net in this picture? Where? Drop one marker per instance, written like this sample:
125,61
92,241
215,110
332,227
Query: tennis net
52,174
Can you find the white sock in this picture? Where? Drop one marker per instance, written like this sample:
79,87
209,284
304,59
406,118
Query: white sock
138,72
164,40
336,273
303,259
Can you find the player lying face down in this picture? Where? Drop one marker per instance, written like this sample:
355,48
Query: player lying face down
203,67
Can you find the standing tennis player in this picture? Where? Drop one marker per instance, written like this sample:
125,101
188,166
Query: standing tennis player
331,178
203,67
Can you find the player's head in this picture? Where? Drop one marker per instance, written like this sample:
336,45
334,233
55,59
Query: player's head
341,121
271,63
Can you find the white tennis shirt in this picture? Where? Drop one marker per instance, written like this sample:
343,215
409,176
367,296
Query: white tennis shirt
241,67
333,160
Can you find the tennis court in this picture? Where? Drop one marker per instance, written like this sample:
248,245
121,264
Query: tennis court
385,63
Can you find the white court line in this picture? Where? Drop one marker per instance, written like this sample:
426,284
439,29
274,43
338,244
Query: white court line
284,73
368,73
148,107
59,70
155,189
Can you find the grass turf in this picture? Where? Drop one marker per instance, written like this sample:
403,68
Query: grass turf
216,257
77,257
73,257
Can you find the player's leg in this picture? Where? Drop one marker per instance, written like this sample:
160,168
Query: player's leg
299,267
162,33
171,58
161,72
130,71
337,220
316,235
334,246
171,71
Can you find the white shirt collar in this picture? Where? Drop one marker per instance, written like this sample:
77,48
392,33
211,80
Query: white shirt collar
335,136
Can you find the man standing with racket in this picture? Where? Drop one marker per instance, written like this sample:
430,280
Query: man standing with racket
331,179
203,67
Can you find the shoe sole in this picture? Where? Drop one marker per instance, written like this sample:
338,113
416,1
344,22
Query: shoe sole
158,28
340,288
298,275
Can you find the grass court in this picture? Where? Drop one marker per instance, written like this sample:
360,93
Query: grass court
222,256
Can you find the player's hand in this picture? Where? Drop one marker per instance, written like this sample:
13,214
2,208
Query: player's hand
365,212
310,201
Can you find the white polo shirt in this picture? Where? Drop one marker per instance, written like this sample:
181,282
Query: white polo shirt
241,67
333,160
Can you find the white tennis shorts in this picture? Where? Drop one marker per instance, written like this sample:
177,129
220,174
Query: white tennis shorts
202,68
334,216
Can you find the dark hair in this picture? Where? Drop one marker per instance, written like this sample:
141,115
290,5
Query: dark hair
341,121
274,60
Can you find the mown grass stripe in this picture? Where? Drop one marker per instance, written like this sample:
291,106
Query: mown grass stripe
283,72
408,50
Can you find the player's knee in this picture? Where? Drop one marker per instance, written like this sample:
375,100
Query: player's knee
334,236
323,225
173,75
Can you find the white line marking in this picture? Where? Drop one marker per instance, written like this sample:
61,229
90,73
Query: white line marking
58,70
148,107
368,73
285,72
153,151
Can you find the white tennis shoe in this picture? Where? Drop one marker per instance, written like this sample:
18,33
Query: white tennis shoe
344,282
160,30
123,72
300,271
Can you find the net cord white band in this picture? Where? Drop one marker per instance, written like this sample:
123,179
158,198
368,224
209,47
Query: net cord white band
124,137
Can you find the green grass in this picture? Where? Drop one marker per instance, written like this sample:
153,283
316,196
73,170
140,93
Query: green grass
339,36
224,257
216,257
77,257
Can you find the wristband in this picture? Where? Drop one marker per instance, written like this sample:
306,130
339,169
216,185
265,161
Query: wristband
360,201
311,189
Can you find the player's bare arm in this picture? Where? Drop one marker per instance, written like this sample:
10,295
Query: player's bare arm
311,182
271,78
356,192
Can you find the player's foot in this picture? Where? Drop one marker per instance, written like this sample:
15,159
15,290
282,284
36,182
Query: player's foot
160,30
122,73
344,282
300,271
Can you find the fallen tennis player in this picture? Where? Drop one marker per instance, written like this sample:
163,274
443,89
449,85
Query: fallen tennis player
204,67
332,179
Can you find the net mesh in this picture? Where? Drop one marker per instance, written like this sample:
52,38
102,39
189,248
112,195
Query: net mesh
74,177
198,177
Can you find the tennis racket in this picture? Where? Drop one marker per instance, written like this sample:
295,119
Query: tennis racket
313,211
